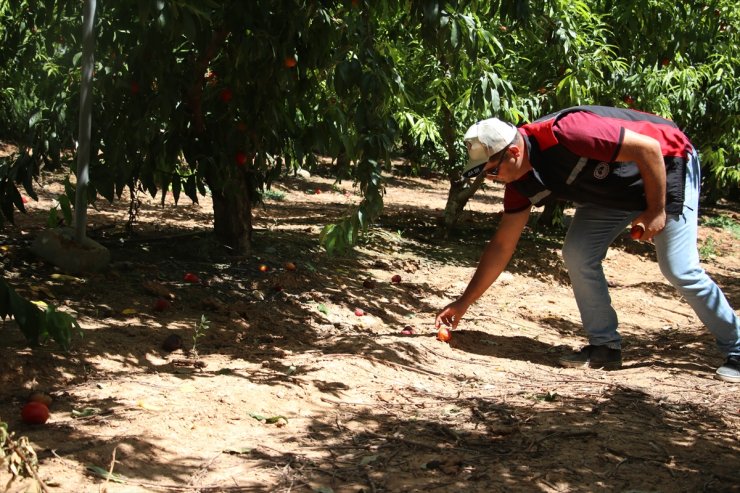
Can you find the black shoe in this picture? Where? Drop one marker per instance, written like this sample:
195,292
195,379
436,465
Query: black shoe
730,371
595,357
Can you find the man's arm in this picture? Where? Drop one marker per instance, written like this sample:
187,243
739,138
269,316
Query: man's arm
495,257
646,152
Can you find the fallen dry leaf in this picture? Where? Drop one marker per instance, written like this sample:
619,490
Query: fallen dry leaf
157,289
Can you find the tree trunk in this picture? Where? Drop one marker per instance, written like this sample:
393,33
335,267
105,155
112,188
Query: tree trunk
458,196
232,215
460,190
552,216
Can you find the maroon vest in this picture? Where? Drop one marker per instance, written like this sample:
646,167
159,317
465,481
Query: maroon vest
561,174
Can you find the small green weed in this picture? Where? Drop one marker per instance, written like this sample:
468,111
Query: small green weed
723,222
708,249
271,194
200,330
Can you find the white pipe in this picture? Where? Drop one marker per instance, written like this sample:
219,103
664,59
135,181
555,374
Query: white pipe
85,133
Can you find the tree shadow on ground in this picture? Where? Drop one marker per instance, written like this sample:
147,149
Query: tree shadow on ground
452,441
486,444
235,281
448,442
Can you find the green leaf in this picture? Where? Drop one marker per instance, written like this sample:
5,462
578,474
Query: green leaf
4,299
176,187
16,198
190,190
61,326
52,219
6,202
454,35
35,118
86,412
66,207
28,317
269,420
108,476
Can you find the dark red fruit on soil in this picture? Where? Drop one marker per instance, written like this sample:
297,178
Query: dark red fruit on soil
35,413
161,305
190,277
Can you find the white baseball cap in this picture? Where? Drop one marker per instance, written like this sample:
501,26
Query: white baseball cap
483,140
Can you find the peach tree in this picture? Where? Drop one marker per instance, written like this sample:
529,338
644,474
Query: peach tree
205,97
221,97
194,98
521,60
684,64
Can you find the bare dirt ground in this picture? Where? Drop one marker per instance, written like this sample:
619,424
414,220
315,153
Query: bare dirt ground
289,390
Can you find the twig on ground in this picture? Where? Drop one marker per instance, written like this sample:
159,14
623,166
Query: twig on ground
197,475
561,434
413,443
110,469
348,403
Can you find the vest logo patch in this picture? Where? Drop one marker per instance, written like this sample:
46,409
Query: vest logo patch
601,171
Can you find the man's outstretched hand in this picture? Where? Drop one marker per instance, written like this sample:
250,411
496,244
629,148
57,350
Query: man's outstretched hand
451,314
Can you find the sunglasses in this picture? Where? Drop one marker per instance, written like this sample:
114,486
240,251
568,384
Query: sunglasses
494,171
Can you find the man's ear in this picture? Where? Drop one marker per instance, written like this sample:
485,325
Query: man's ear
515,150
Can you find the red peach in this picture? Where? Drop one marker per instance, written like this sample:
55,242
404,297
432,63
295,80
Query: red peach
161,305
444,334
226,95
190,277
35,413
